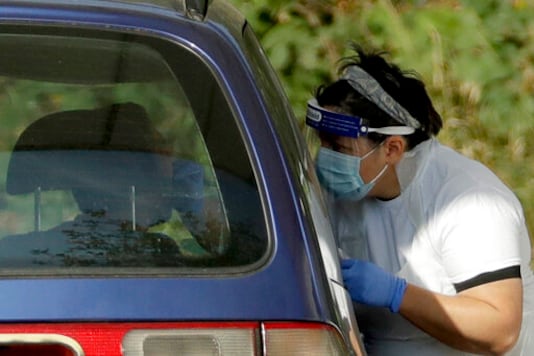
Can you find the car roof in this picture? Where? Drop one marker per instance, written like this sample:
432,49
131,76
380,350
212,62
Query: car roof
197,9
165,4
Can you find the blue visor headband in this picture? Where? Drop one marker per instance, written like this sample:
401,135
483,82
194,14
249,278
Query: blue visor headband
346,125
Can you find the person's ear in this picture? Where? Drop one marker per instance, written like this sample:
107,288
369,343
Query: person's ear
394,146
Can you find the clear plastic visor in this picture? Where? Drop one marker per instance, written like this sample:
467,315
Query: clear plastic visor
341,132
316,139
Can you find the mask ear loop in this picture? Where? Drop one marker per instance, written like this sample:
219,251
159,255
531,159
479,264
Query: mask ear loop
381,173
373,150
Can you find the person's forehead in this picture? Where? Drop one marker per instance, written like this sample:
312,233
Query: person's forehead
343,140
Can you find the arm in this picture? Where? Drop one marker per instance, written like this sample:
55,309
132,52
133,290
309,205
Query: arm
478,230
484,319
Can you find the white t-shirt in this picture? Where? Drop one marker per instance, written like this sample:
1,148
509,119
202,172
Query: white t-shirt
453,221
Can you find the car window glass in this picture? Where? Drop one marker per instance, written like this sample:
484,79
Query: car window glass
117,153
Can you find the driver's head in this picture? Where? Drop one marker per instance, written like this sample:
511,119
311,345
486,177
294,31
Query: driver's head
133,168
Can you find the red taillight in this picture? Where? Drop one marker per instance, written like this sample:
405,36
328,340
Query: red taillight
92,339
235,339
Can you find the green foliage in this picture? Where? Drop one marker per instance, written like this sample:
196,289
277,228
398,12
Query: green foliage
475,56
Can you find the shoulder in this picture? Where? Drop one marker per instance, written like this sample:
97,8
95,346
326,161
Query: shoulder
452,178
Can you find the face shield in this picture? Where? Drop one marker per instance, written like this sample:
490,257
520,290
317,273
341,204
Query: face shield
328,123
339,131
338,150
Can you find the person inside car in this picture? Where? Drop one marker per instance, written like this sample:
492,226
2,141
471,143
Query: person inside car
435,249
120,174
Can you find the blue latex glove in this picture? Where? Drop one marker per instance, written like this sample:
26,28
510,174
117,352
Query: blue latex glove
369,284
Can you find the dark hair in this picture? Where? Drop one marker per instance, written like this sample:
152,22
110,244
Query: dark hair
405,87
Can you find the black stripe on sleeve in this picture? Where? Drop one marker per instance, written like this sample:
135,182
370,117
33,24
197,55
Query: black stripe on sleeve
488,277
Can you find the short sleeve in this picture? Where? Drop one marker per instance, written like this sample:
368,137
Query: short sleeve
479,232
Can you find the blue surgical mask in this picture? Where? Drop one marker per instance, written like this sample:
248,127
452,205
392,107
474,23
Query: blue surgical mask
339,174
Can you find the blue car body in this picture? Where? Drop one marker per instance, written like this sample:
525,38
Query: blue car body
295,278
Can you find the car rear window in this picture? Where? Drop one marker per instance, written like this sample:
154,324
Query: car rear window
119,154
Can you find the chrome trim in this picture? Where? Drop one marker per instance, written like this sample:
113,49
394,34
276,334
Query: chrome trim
44,338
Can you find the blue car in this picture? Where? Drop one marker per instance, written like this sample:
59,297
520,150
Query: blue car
156,195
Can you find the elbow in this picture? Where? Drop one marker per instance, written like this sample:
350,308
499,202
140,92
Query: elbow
504,342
